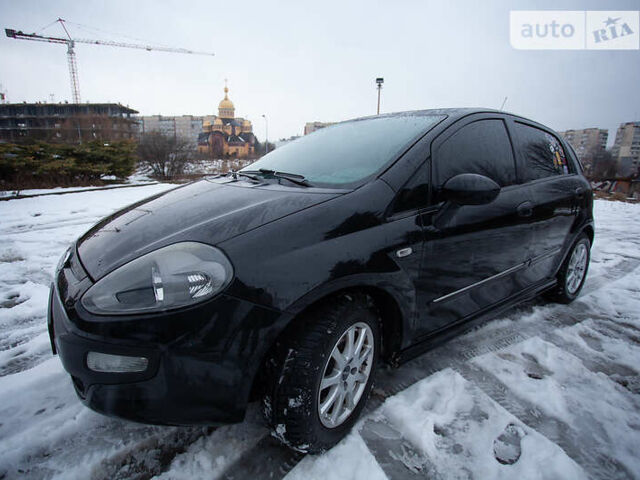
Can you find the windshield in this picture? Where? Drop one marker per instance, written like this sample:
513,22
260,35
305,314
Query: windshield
346,153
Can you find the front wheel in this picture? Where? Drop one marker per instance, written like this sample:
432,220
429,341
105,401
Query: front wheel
573,272
322,372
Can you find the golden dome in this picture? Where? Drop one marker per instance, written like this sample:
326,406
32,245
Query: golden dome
225,102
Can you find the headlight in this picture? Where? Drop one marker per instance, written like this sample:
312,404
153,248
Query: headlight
179,275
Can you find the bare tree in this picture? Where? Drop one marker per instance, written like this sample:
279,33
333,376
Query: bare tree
166,155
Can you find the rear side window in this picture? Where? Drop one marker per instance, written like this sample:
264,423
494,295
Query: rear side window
482,147
542,154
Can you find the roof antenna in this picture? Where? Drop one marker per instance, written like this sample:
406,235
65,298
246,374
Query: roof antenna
503,103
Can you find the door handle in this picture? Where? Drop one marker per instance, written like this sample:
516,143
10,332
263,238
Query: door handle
579,192
525,209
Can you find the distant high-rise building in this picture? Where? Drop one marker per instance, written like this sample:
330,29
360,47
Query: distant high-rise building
626,149
311,127
587,143
184,126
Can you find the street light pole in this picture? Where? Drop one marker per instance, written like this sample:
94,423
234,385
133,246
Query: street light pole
379,81
266,135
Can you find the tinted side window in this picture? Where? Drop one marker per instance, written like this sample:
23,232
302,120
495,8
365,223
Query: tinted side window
481,147
542,154
415,193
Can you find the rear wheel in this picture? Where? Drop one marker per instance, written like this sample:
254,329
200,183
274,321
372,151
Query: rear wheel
321,373
573,272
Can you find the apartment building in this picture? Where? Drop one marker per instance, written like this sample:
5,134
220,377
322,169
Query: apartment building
626,149
186,126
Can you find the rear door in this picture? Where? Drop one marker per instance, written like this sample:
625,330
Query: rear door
474,256
555,191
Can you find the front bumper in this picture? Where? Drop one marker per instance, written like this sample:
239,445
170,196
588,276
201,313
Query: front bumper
202,361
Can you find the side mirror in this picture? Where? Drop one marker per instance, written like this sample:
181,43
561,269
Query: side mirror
470,189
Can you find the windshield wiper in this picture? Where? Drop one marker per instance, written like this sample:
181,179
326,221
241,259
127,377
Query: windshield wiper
235,176
292,177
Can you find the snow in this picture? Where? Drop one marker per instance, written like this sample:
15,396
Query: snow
349,459
454,425
572,394
547,391
211,455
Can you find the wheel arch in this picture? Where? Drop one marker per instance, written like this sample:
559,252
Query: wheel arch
392,322
588,229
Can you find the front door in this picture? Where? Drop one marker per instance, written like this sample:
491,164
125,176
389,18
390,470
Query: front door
407,242
474,256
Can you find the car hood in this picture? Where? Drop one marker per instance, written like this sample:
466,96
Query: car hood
208,211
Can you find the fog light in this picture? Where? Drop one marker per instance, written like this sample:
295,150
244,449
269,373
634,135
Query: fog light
103,362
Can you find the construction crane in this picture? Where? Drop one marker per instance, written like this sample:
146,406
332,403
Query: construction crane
71,54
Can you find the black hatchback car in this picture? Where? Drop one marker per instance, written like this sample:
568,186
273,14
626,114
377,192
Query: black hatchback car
290,279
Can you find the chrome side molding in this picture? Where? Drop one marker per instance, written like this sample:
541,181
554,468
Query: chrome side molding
473,285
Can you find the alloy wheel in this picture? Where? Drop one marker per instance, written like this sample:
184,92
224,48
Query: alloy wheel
576,268
345,375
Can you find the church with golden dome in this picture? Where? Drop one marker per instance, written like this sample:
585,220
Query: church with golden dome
227,135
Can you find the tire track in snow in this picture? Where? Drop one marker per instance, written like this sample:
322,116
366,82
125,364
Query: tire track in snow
617,372
148,458
628,378
582,447
395,455
267,459
22,361
87,220
621,269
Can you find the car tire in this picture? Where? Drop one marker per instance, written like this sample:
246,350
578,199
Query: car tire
573,273
307,369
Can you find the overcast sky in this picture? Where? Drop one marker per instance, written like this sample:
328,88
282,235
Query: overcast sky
299,61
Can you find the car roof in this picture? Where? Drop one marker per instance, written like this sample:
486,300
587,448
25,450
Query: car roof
449,112
452,114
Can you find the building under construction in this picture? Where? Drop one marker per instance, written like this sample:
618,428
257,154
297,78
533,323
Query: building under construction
66,122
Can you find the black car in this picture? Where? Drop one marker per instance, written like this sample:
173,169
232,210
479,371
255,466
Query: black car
290,279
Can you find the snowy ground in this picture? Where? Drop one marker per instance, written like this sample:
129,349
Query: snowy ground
546,392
